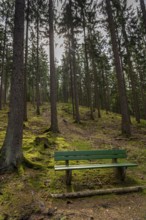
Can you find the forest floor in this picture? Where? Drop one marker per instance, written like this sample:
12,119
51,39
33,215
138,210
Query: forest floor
27,194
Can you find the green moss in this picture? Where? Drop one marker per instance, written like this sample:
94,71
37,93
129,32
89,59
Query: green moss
80,145
67,108
2,136
141,124
2,217
61,143
21,170
18,192
36,182
32,155
32,164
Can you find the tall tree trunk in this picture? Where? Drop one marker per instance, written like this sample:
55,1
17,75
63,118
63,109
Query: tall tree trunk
6,78
132,75
86,64
142,89
76,99
133,80
143,9
26,58
3,59
105,90
65,82
107,94
11,152
96,89
71,83
37,69
53,86
120,76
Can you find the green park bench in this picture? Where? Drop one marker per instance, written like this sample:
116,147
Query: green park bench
92,155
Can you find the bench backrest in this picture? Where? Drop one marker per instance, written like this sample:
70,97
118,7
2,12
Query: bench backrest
89,155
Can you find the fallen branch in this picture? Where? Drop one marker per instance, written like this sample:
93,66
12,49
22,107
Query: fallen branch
99,192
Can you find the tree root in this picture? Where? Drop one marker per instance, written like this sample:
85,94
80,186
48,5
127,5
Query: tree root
32,165
51,130
19,167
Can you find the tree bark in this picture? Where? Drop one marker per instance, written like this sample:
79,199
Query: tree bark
6,77
126,130
53,86
86,64
71,83
26,59
96,90
76,98
65,81
143,9
105,90
3,60
142,90
132,75
11,152
37,68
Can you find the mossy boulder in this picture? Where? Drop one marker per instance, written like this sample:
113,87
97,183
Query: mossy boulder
43,141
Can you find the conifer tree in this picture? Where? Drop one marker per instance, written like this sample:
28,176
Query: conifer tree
11,153
53,85
126,130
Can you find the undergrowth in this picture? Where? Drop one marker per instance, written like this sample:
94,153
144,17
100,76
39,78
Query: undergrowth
22,193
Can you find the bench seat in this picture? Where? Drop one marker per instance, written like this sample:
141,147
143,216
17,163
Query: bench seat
92,166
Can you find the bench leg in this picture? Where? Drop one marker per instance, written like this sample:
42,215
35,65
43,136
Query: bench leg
68,177
121,173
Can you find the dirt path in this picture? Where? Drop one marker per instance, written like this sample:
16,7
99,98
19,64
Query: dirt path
115,207
121,207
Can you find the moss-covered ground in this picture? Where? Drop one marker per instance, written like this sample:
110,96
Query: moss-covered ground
26,194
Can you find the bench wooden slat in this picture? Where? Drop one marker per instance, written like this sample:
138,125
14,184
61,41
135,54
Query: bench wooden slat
88,157
89,152
92,166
